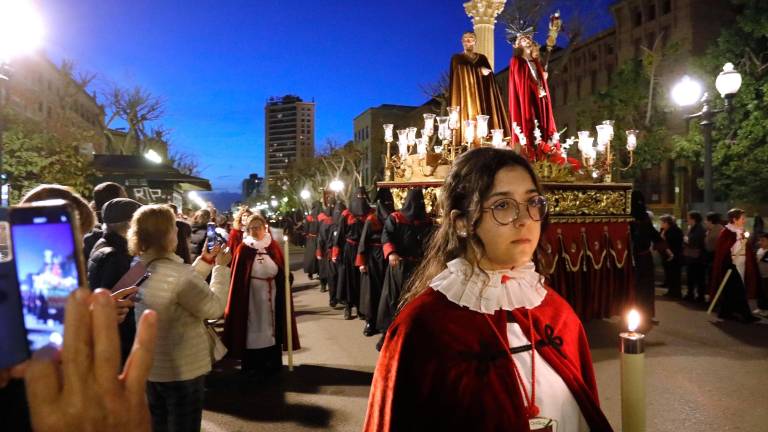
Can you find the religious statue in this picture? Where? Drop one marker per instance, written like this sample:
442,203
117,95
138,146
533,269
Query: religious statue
530,104
473,88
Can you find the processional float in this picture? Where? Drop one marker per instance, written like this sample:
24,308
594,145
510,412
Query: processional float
585,252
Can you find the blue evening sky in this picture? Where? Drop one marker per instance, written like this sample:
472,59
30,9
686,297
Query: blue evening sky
216,62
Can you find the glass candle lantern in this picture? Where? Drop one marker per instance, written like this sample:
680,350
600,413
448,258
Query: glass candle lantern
482,126
453,117
388,138
631,140
497,138
429,124
469,131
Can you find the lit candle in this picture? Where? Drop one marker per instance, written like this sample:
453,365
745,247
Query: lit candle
469,131
498,138
429,124
632,376
453,117
288,321
482,126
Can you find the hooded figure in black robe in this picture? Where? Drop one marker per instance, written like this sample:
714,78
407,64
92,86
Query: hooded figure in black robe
345,252
405,234
370,259
325,247
322,251
310,262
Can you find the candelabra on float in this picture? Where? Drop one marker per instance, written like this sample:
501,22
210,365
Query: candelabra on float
589,154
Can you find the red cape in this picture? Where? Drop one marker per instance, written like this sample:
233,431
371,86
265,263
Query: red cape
722,261
443,367
235,238
522,109
236,313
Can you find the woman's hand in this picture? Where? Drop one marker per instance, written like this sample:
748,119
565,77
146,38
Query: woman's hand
83,391
394,260
224,258
363,269
12,372
210,256
124,301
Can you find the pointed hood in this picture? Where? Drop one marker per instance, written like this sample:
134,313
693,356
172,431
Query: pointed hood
638,209
385,203
316,207
413,206
359,205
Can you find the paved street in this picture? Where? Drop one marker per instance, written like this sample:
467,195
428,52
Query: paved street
700,376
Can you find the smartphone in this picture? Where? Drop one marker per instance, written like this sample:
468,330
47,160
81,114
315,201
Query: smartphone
13,337
211,237
139,296
47,250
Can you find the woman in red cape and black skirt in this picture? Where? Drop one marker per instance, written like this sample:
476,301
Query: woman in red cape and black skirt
458,354
255,324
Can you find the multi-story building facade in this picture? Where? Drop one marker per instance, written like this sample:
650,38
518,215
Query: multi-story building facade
39,90
369,137
691,25
289,134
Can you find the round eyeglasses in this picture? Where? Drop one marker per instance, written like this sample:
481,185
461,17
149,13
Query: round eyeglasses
507,210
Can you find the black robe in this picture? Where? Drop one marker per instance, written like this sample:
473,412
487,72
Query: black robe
345,254
407,238
310,262
370,253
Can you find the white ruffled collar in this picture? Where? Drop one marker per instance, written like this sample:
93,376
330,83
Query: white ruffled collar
484,292
258,244
734,228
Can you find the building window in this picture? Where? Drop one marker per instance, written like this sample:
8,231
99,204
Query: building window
609,49
637,17
666,6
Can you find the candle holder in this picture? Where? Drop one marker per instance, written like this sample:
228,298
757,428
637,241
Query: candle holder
632,348
388,138
603,166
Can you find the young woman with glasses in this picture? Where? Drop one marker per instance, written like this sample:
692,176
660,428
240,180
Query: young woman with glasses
458,355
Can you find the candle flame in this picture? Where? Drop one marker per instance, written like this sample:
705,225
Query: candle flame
285,238
633,320
746,234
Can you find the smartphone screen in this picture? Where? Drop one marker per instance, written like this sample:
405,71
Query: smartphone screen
210,236
48,268
13,338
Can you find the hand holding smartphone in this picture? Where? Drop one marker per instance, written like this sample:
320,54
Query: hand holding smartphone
42,264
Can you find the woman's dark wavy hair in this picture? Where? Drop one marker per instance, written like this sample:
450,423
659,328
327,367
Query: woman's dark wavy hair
467,186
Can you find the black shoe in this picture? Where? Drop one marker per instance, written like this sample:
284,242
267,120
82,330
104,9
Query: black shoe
749,319
369,330
332,303
347,313
323,288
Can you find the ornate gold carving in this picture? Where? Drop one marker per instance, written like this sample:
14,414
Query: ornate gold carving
550,172
431,196
569,202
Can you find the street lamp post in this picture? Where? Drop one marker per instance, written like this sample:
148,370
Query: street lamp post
688,92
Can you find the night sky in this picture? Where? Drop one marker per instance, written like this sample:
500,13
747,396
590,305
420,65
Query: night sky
216,62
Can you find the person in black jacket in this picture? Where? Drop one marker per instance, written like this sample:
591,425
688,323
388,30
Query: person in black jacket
110,259
644,238
673,236
199,231
694,258
102,193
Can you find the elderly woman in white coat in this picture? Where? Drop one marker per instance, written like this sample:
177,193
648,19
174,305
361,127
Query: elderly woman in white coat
183,300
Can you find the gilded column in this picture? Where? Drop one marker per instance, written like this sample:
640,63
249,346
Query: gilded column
483,14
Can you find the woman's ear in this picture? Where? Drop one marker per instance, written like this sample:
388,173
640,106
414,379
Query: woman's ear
459,222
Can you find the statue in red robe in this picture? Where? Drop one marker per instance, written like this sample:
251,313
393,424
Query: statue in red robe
530,103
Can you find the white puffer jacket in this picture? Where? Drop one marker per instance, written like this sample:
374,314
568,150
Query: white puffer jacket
182,299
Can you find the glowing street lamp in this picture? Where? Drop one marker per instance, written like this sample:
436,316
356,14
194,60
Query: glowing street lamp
153,156
688,92
197,199
336,185
21,32
305,195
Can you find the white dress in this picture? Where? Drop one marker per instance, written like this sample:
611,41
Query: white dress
261,299
523,288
